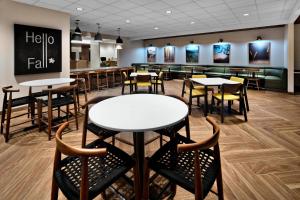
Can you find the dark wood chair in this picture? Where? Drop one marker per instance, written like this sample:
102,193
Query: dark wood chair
86,172
230,93
159,81
57,98
193,93
242,81
126,81
81,89
192,165
89,126
144,81
7,109
172,130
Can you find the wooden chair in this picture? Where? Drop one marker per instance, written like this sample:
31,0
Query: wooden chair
86,172
196,86
193,93
126,82
170,131
193,166
144,81
7,109
242,81
57,98
89,126
159,81
253,78
230,92
81,89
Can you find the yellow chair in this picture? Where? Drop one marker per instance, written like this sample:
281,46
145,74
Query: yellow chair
159,81
144,81
201,87
126,82
242,81
230,93
193,93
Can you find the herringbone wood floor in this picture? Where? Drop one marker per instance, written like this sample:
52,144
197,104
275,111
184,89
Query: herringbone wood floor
260,158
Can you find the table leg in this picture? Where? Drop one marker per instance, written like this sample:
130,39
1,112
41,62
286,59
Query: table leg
139,152
206,102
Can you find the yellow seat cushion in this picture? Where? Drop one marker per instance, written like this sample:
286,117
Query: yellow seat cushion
199,76
201,87
158,81
128,82
227,96
197,92
237,79
144,84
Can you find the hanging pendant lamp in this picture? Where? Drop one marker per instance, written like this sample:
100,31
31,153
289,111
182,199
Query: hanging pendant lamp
98,36
119,39
76,36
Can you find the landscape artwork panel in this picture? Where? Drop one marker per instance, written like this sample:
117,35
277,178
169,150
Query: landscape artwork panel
259,52
221,53
192,53
151,54
169,54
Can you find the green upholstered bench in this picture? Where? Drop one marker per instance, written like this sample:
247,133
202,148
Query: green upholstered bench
275,78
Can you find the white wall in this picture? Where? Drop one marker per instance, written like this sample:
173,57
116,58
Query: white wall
108,50
132,52
239,46
12,12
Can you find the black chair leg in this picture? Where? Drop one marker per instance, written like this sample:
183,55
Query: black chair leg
244,110
222,112
123,86
163,88
187,127
183,89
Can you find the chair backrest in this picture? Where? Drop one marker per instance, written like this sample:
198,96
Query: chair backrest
7,90
86,106
199,76
232,88
161,75
237,79
84,154
143,78
124,76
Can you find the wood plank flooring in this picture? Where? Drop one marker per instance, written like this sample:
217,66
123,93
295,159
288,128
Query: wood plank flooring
260,158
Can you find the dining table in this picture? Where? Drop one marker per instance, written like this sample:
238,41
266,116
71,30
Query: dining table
210,82
138,114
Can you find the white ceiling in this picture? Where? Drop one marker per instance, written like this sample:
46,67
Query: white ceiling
144,15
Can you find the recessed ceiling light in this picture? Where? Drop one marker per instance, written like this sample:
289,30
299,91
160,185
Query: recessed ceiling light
156,28
79,9
168,11
127,21
192,22
246,14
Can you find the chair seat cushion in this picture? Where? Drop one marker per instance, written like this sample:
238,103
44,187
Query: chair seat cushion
144,84
103,171
227,96
100,132
22,101
198,92
128,82
179,167
158,82
61,101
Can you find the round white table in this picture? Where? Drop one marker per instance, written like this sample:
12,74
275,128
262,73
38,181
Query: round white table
138,113
47,82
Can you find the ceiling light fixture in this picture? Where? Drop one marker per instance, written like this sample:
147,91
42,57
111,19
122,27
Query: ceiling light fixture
246,14
119,39
76,36
259,38
127,21
192,22
98,36
168,12
79,9
156,28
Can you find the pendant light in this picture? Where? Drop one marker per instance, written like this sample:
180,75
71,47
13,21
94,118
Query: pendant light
119,39
76,36
98,36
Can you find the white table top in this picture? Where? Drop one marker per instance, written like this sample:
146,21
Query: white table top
47,82
213,81
135,74
138,112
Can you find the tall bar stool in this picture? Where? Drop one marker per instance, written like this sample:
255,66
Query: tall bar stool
110,77
81,89
85,76
100,79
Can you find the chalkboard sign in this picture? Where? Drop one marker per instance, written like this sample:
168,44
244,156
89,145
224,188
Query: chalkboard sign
37,50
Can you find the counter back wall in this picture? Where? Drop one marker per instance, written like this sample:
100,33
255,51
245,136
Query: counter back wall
239,46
